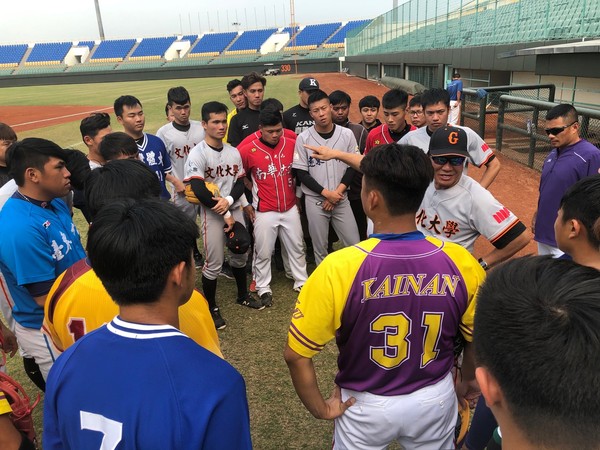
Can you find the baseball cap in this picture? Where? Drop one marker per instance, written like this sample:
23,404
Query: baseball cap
308,84
238,239
448,141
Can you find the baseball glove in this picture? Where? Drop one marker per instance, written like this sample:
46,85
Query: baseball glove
463,422
21,405
191,197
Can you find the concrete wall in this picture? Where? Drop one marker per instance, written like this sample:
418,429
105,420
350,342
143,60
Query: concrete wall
231,70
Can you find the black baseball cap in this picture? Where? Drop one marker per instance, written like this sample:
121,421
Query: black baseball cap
448,141
238,239
308,84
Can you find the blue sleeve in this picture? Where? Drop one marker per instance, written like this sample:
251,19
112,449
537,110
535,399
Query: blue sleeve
166,157
51,435
229,425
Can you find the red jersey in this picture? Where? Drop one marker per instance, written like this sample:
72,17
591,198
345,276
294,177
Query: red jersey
258,134
381,135
273,187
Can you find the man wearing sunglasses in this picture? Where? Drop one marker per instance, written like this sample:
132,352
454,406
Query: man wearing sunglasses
458,209
571,159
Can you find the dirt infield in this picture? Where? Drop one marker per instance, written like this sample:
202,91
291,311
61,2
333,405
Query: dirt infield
25,118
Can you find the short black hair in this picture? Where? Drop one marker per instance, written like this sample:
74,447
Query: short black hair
369,101
125,100
401,173
582,202
178,95
212,108
415,101
435,95
536,331
394,98
134,244
270,117
121,178
116,144
251,78
233,84
167,106
92,124
564,110
338,97
7,133
316,96
31,152
271,103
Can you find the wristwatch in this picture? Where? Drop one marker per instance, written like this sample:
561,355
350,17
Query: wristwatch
483,264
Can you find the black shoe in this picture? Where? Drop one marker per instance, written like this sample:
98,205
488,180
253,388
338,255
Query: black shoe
250,302
226,271
217,319
267,299
198,260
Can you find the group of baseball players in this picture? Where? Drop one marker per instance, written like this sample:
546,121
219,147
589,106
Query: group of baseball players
421,330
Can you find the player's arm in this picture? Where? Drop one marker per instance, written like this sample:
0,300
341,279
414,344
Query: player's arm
8,342
306,179
516,239
492,168
304,379
326,153
176,182
346,180
234,133
202,193
10,438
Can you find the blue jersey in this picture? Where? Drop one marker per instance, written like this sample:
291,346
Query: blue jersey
454,87
154,154
36,245
132,386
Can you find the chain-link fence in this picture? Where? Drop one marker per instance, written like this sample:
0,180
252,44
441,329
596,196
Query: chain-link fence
480,106
520,129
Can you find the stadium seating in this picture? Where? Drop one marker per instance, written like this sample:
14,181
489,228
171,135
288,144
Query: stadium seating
40,70
11,55
190,37
113,51
152,48
237,59
50,53
88,44
314,35
197,61
140,64
91,67
212,44
337,40
250,41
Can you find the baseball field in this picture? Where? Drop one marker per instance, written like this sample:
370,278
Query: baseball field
253,340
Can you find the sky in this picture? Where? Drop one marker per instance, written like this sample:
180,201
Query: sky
29,21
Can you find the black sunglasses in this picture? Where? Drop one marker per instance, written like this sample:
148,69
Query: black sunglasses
556,131
454,160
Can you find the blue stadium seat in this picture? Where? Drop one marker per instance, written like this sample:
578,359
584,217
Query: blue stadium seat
11,55
152,47
115,50
338,38
54,52
213,43
250,41
190,37
314,35
88,44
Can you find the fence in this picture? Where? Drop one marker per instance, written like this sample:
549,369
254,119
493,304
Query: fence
521,121
480,107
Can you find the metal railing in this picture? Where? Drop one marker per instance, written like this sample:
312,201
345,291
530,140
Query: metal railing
480,106
519,122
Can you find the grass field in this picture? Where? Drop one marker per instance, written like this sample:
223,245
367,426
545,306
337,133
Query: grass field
253,340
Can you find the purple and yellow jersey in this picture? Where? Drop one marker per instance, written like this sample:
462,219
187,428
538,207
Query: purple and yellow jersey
394,304
4,405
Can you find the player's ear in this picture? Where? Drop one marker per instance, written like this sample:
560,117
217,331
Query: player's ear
88,141
178,273
575,228
490,389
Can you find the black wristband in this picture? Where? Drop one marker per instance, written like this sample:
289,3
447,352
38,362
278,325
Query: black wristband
483,264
